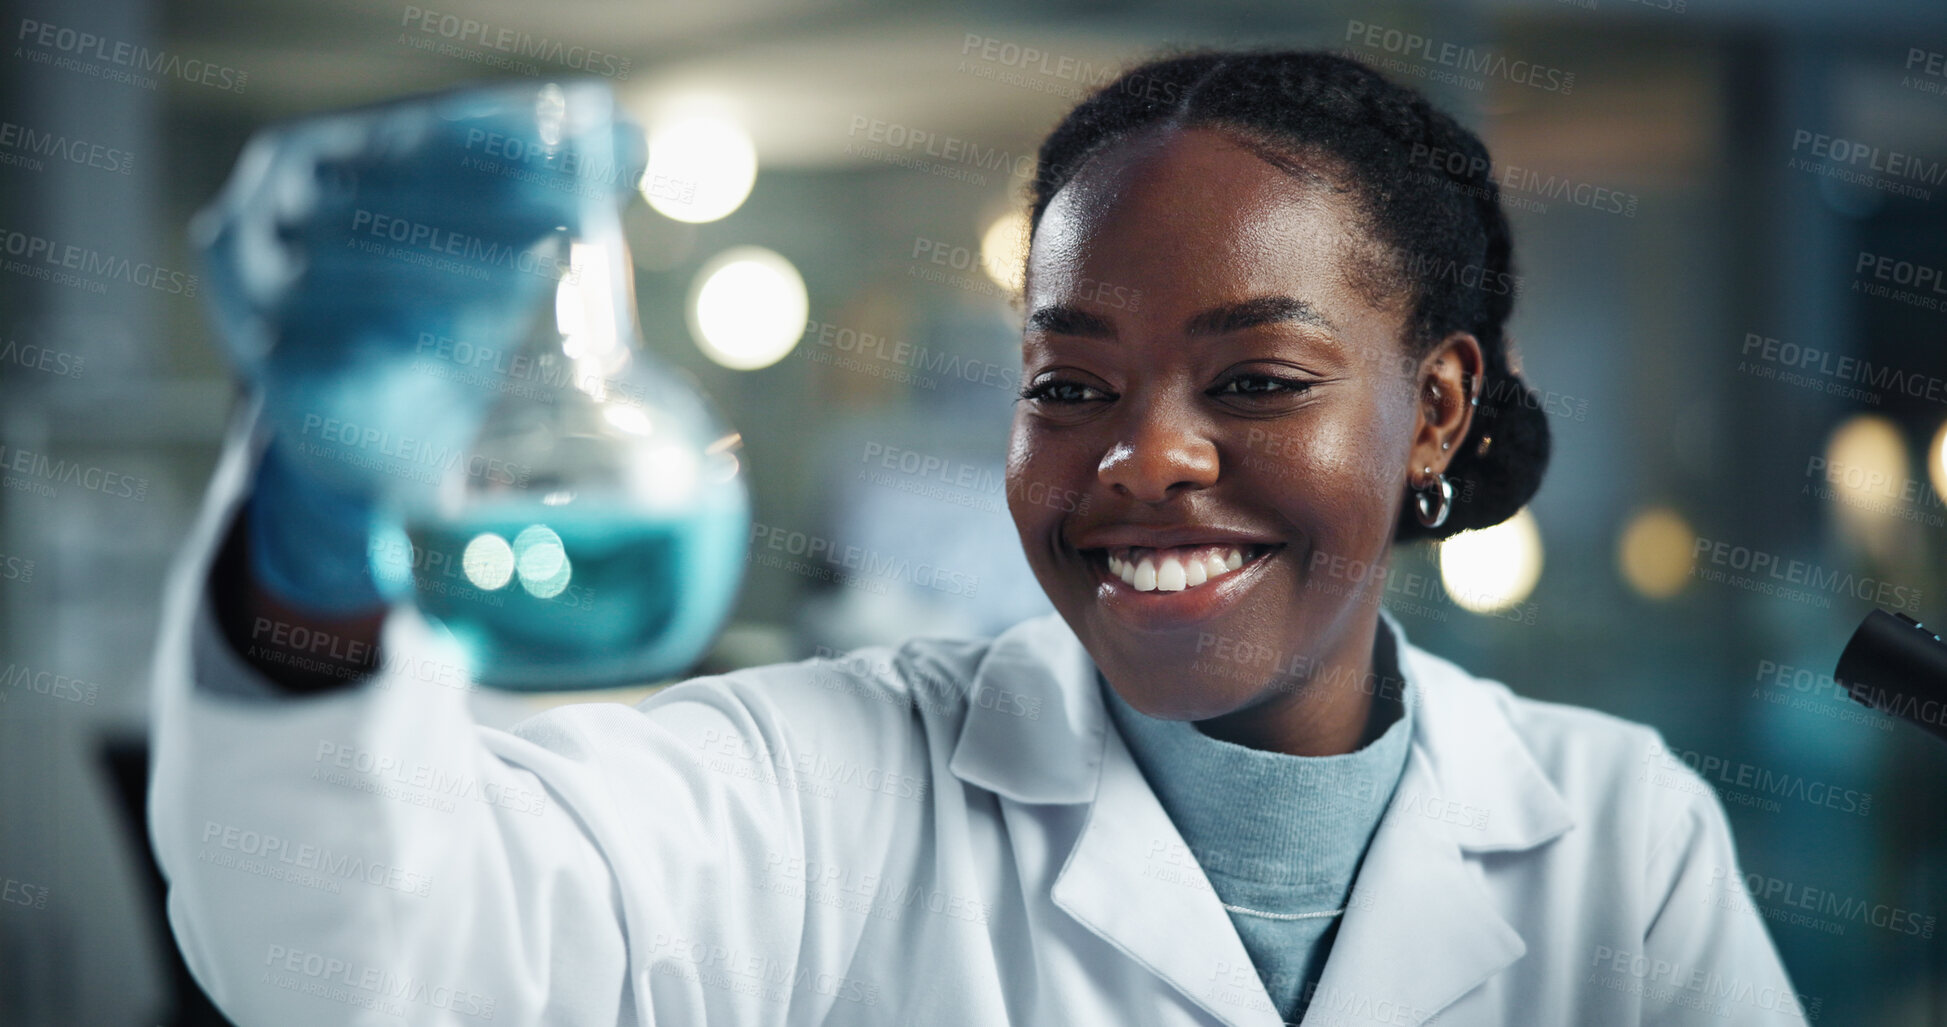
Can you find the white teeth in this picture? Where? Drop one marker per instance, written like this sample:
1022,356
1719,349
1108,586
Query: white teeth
1173,570
1170,577
1195,573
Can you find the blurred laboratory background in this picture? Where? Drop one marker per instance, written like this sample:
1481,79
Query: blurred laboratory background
1731,231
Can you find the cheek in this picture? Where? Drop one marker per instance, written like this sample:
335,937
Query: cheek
1025,457
1339,481
1368,461
1050,457
1021,453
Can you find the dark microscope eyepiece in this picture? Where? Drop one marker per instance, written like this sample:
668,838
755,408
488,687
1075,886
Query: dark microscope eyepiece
1896,665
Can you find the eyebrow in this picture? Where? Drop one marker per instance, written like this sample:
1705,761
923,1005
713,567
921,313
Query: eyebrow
1062,319
1251,313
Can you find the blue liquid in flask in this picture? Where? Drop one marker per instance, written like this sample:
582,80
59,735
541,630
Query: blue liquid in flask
547,598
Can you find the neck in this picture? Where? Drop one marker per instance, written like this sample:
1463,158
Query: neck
1328,713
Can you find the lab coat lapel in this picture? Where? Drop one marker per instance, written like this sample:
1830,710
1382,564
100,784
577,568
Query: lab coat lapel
1131,880
1129,877
1420,930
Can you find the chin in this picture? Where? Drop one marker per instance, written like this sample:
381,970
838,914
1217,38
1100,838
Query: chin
1194,691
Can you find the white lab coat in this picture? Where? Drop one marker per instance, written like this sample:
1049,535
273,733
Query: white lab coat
950,832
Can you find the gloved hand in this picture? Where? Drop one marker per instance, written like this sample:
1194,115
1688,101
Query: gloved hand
372,273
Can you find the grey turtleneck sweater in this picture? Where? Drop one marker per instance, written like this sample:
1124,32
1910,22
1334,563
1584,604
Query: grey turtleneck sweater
1278,836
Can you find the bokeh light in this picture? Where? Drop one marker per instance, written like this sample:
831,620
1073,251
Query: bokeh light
1937,461
1494,568
1866,468
542,561
748,308
1004,250
1657,552
701,168
488,561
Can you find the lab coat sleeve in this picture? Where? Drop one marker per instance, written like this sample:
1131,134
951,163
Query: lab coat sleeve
1706,957
375,856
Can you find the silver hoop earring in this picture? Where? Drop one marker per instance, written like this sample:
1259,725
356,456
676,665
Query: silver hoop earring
1438,491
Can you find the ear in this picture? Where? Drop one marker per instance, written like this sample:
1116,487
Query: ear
1448,388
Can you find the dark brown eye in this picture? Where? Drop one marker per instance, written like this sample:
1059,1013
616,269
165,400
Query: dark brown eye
1261,385
1057,390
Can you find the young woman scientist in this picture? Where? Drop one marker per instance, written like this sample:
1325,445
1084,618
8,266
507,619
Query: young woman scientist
1264,339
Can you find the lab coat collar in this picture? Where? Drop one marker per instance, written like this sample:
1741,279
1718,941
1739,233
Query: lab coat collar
1420,930
1469,754
1035,727
1035,723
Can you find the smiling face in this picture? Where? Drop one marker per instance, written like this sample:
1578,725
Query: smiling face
1206,362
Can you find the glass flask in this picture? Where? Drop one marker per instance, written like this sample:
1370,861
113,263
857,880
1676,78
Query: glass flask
593,535
434,301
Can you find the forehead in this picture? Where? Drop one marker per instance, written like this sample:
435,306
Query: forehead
1197,210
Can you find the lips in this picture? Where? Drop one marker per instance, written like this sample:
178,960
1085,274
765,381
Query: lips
1164,576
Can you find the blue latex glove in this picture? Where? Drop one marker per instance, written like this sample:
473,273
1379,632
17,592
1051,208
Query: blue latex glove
365,268
309,541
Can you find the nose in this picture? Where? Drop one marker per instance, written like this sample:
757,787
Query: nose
1163,454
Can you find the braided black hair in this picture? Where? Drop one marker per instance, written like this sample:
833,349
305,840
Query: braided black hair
1420,180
